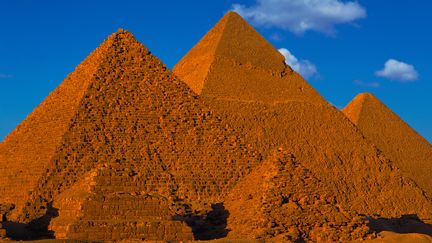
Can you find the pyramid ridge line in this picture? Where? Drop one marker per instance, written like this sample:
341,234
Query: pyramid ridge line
367,99
234,17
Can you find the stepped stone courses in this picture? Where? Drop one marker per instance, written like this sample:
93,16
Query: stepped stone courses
404,146
273,106
135,117
95,209
28,150
124,150
282,200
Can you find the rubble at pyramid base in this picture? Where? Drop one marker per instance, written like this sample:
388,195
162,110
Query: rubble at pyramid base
233,145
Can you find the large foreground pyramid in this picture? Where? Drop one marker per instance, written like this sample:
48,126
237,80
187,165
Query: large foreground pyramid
122,121
240,75
404,146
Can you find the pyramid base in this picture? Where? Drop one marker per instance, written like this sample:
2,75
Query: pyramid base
103,230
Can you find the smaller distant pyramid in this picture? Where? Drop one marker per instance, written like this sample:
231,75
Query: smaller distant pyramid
404,146
282,200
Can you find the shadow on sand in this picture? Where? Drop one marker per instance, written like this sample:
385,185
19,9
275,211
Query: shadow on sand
209,226
35,230
410,223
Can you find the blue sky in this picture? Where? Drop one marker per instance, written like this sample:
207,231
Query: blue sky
343,47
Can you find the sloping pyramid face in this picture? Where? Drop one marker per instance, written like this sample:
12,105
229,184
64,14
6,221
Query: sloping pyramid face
135,116
282,200
234,49
275,107
26,152
404,146
111,203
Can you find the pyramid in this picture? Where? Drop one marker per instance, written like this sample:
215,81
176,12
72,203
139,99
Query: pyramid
282,200
404,146
275,107
234,49
132,116
27,151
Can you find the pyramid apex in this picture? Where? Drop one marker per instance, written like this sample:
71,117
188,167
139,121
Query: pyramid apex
231,40
354,109
121,37
122,33
233,14
366,95
361,98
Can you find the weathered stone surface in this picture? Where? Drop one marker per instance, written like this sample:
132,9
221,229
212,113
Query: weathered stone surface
124,150
282,200
95,209
26,153
154,139
404,146
274,106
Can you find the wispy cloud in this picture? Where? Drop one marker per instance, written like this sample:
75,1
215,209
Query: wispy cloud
398,71
4,76
299,16
367,84
304,67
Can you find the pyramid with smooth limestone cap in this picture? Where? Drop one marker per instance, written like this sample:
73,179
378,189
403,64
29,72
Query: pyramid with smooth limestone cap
141,132
234,62
404,146
244,78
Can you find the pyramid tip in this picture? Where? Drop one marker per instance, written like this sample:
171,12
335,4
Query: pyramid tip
232,15
121,34
365,95
361,100
121,31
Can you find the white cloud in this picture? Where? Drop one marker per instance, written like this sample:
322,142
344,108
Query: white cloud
299,16
367,84
304,67
398,71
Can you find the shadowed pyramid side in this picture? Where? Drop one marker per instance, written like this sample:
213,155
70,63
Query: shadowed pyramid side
28,150
402,144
